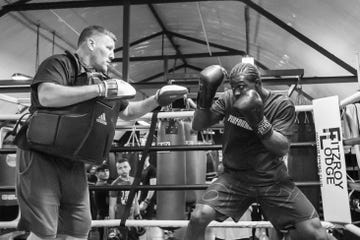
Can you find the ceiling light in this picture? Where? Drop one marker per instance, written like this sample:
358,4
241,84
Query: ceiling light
20,77
247,59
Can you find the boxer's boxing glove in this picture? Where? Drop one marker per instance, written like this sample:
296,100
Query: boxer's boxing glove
210,79
116,89
169,93
250,105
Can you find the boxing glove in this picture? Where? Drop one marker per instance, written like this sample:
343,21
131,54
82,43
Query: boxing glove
250,105
116,89
169,93
114,234
210,79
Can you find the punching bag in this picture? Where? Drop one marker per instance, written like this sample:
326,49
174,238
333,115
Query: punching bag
8,203
170,170
195,164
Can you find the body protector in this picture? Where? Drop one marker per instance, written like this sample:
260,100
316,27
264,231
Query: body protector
82,131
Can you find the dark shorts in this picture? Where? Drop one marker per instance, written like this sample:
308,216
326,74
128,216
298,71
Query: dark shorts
53,196
283,203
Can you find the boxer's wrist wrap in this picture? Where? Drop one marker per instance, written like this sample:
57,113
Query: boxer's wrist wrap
264,129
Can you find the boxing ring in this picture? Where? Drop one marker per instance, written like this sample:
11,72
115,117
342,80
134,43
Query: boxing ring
329,224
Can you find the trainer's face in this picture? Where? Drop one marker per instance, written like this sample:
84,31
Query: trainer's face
123,169
102,47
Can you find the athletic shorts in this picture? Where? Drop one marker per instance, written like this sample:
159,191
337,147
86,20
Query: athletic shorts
53,195
282,203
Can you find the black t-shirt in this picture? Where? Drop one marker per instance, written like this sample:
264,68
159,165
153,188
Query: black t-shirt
61,69
102,201
147,174
243,151
122,197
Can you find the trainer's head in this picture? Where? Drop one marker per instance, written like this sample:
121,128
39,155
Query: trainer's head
244,76
96,47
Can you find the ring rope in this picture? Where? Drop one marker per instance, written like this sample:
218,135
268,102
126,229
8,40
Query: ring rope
175,224
167,187
184,114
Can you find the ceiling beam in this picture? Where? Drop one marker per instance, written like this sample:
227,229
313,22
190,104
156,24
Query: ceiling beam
243,53
194,67
176,56
265,74
247,28
10,86
4,11
160,74
88,3
299,36
179,35
126,41
95,3
163,27
274,81
140,41
230,51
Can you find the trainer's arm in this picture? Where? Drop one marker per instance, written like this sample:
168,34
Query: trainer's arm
56,95
139,108
163,97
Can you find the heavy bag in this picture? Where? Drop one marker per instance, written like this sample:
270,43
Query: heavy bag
8,203
195,164
170,170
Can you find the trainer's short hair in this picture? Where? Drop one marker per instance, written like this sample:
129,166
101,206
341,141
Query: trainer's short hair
92,31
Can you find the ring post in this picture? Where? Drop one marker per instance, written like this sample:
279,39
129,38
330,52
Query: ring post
331,160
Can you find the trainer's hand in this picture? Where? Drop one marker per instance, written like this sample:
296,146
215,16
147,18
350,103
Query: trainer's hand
210,79
251,106
116,89
169,93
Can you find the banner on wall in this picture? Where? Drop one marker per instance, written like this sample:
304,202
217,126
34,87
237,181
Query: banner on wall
331,160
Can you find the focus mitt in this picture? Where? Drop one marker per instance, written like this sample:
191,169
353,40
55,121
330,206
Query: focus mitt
169,93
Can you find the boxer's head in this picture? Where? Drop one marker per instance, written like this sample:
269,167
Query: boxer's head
244,76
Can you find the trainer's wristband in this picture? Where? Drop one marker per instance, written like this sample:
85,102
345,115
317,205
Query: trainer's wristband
157,96
101,89
264,129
